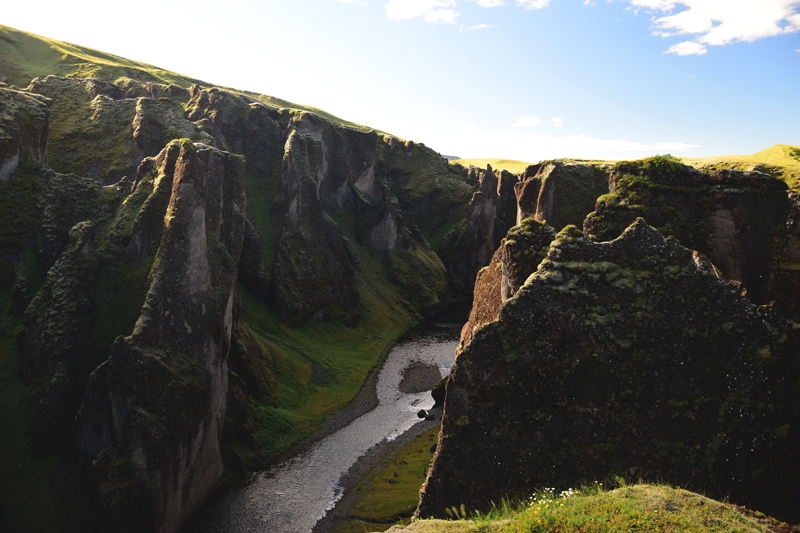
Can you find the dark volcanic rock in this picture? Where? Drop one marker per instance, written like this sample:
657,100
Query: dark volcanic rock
559,193
730,216
490,214
55,341
517,258
623,357
313,275
152,416
24,128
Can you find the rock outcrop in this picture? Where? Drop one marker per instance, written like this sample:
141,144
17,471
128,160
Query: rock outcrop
153,414
24,128
491,212
622,357
559,193
517,258
732,217
313,275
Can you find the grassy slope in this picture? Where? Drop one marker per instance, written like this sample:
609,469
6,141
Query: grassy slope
780,160
24,56
641,507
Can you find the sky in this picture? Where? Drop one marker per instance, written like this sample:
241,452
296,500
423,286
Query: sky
517,79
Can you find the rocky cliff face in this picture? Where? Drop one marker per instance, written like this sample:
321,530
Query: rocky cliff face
622,357
127,293
735,218
153,414
491,212
559,193
24,128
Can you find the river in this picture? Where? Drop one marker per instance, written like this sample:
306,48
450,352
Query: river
294,495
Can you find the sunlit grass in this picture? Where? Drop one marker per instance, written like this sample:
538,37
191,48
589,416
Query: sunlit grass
592,508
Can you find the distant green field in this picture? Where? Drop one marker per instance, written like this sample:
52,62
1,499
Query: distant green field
510,165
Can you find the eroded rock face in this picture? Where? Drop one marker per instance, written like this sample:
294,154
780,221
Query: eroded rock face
559,193
517,258
622,356
490,214
314,277
730,216
56,341
24,128
153,414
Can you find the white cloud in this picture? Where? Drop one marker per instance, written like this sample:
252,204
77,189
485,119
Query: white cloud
409,9
533,4
721,22
687,48
478,27
528,122
359,2
490,3
441,16
558,122
663,5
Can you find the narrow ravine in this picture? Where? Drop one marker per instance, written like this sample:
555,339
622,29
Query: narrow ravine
294,495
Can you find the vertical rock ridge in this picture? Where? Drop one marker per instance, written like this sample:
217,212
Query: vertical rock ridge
153,414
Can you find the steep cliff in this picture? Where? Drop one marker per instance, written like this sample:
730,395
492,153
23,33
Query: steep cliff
622,357
119,271
559,193
153,414
735,218
24,128
491,212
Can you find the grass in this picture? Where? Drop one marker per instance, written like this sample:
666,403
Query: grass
779,160
391,494
641,507
322,365
24,56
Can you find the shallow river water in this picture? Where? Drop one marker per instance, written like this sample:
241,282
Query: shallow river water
294,495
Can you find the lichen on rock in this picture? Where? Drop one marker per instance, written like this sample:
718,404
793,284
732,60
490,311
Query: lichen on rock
622,357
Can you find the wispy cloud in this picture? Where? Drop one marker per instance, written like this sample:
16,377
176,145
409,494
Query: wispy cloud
523,145
687,48
720,22
432,10
359,2
477,27
490,3
558,122
528,122
533,4
440,11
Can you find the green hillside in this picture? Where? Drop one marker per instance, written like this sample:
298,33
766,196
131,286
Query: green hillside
779,160
24,56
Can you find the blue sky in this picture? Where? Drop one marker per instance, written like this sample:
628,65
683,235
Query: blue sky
521,79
